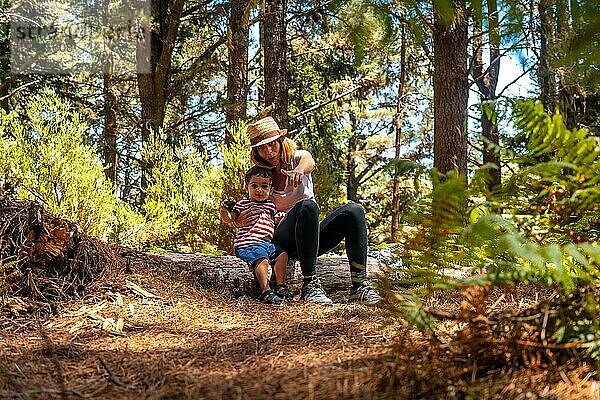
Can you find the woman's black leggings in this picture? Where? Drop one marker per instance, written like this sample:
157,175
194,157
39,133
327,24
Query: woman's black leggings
303,238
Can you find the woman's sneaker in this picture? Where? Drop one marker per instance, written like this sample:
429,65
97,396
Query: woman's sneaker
269,297
365,294
284,292
313,292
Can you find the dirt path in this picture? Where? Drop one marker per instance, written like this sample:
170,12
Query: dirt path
150,335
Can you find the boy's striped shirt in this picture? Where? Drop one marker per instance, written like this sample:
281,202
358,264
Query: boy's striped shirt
262,230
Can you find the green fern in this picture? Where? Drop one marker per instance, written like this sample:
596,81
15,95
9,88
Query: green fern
573,156
525,233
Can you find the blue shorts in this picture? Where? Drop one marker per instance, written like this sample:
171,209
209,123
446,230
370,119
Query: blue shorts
255,252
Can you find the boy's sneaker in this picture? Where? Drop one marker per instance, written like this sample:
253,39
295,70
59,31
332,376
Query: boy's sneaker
365,294
284,292
269,297
313,292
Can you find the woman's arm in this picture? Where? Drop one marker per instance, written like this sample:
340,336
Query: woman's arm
305,166
246,217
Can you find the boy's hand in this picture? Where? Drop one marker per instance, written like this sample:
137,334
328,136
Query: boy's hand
226,211
228,205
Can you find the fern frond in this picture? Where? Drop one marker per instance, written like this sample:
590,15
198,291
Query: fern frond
532,231
573,157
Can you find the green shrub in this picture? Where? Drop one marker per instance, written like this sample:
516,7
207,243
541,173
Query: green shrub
224,182
44,157
181,206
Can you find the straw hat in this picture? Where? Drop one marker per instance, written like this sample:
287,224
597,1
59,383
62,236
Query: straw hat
264,131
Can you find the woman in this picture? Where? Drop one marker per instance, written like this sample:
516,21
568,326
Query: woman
300,233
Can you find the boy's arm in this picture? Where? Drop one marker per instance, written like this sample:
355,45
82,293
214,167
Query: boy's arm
226,215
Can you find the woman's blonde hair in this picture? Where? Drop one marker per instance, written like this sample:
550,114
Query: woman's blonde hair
288,147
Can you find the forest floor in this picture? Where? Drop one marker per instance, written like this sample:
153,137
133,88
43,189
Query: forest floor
155,335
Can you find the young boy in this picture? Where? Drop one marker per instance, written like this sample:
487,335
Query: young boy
252,243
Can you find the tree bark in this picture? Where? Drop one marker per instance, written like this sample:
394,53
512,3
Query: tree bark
569,95
351,178
274,46
237,74
398,120
154,64
450,86
4,64
109,131
546,77
487,82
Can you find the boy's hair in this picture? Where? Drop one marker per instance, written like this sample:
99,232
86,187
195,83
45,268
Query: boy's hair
258,171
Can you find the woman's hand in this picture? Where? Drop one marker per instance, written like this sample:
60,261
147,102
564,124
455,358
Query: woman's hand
247,217
294,177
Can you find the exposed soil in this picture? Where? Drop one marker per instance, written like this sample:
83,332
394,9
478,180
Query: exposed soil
155,335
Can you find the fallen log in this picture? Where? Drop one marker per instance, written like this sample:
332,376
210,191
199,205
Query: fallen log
230,275
46,258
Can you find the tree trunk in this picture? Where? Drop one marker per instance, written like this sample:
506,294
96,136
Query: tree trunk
232,276
487,81
490,155
274,46
546,77
109,131
398,120
237,74
57,259
450,90
569,95
351,189
352,181
4,63
154,64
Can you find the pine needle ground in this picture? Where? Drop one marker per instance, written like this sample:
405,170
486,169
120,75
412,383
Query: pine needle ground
154,335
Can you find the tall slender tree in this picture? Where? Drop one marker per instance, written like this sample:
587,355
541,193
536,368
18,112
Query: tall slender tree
576,28
154,58
4,58
450,87
398,120
274,47
109,130
546,76
237,54
486,79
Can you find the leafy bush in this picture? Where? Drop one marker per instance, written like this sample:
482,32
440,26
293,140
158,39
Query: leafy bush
184,193
44,156
225,182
